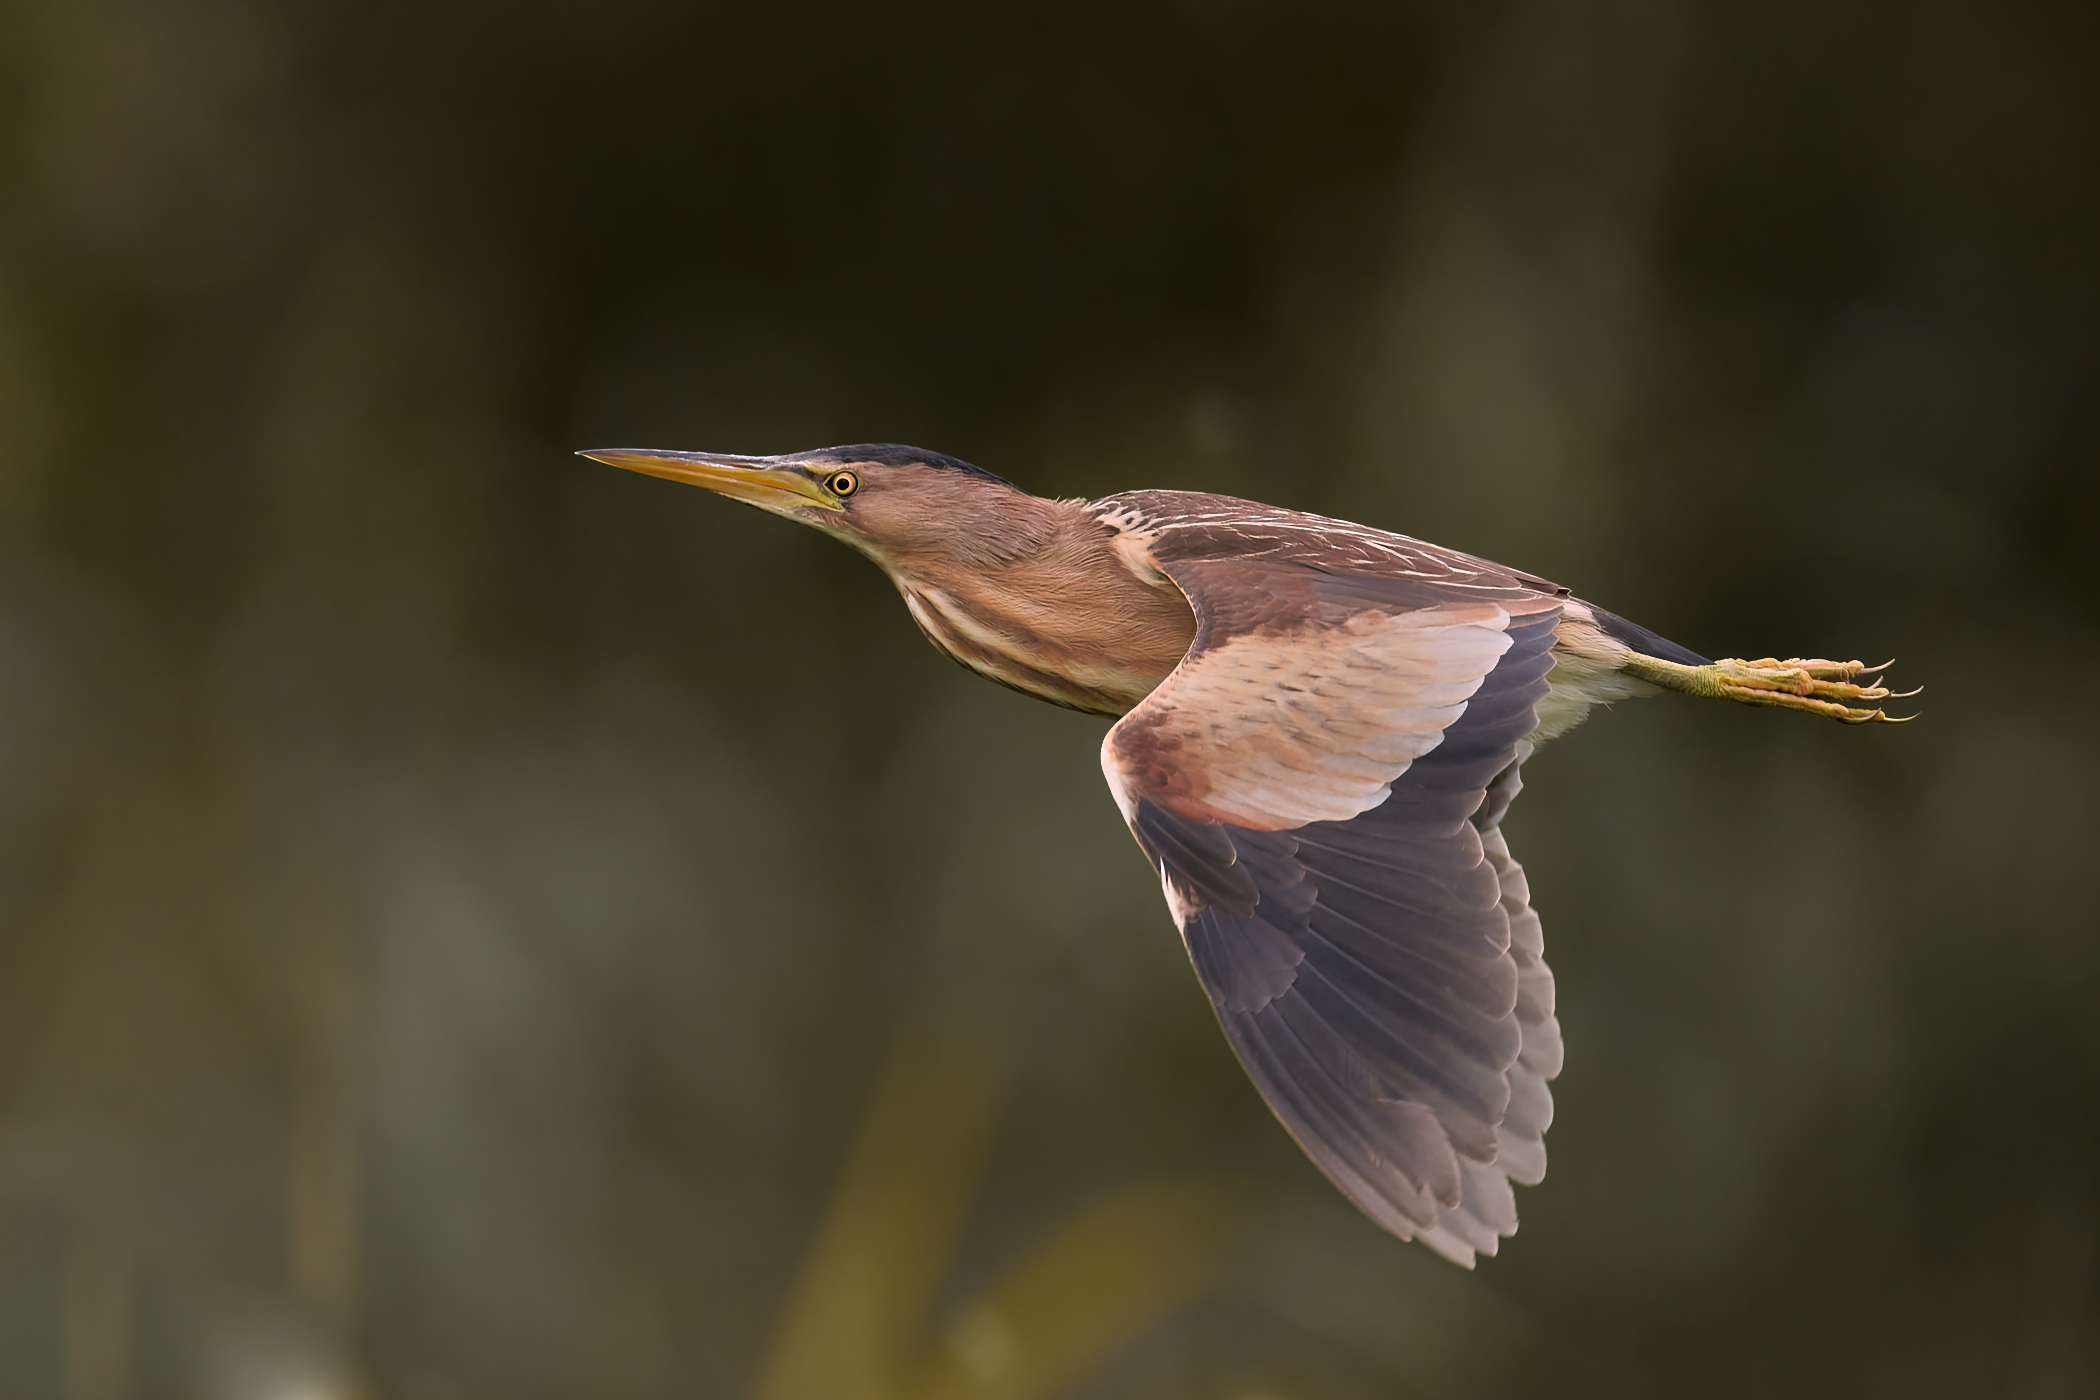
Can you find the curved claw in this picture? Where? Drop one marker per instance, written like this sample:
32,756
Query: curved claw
1818,687
1862,717
1905,694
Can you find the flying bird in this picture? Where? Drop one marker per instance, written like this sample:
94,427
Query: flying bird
1321,727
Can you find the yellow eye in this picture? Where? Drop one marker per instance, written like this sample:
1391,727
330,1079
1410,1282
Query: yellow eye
843,484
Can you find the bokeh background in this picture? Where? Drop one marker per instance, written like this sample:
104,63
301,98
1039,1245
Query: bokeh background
478,925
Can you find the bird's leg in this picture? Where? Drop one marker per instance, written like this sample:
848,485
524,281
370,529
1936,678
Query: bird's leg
1819,687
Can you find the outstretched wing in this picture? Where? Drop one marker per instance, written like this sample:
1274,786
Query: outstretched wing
1320,785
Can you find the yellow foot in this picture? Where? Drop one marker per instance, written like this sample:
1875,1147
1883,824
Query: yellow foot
1819,687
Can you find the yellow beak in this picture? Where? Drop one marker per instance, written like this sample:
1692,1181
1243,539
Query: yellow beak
754,479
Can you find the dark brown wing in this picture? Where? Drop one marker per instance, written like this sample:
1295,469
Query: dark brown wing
1320,786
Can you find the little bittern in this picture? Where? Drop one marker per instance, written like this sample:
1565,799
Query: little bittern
1321,728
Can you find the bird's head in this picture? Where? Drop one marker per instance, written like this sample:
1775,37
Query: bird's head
897,504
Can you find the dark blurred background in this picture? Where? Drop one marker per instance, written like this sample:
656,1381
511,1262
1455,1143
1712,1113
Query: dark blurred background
458,901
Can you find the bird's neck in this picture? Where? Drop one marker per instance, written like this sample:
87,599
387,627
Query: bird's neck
1044,604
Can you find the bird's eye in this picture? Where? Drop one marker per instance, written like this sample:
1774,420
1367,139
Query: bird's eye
843,484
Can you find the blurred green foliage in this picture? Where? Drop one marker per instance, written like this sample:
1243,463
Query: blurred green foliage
454,897
857,1324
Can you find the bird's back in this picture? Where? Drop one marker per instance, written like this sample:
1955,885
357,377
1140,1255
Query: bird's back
1189,525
